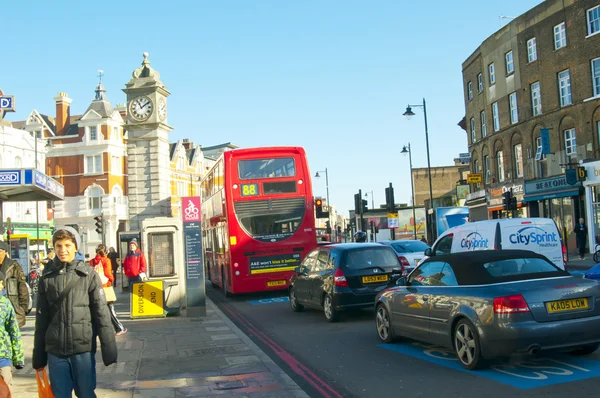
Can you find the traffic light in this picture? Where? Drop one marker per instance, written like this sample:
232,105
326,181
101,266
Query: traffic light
389,199
357,203
319,208
99,224
8,236
328,227
364,208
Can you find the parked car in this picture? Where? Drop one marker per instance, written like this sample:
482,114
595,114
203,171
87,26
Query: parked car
342,276
539,235
409,252
593,273
492,303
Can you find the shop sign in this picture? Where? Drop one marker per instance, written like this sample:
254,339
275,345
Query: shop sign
547,184
593,173
474,178
517,189
476,195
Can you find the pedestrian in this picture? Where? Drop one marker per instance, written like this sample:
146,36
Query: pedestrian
102,266
581,237
423,239
113,256
11,345
16,286
134,265
71,312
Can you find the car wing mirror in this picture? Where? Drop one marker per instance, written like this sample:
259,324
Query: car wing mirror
300,270
402,282
428,252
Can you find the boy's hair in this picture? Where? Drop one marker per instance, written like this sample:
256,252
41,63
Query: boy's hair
101,250
62,234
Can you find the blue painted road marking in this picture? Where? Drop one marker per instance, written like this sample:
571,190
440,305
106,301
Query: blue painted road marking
526,373
269,301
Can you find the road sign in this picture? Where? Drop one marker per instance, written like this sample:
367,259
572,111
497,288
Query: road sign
147,300
7,104
464,157
474,178
393,220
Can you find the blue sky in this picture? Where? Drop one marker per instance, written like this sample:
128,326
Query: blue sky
331,76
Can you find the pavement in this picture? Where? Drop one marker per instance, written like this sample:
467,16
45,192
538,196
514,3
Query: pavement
575,263
176,357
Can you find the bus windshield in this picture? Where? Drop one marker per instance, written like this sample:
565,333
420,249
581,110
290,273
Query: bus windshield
266,168
270,221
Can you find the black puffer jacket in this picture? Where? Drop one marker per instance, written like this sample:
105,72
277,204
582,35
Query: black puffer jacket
81,317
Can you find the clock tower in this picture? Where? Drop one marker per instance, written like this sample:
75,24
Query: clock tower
147,146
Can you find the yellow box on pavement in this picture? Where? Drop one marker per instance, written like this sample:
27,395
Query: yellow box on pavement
147,300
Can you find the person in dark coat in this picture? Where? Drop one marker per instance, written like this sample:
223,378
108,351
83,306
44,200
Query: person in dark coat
14,281
581,237
66,329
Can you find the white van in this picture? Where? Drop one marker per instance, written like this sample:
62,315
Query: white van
539,235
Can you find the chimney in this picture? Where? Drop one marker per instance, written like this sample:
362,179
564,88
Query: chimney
63,113
187,144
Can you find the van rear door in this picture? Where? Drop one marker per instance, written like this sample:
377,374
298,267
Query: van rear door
538,235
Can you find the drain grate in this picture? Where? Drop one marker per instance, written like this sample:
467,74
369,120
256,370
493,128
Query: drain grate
229,385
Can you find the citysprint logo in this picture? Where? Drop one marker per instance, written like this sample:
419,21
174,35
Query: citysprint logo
534,235
474,241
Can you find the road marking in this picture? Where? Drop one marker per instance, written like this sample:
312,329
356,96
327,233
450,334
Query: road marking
269,301
525,373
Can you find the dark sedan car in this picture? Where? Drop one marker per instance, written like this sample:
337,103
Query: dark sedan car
343,276
488,304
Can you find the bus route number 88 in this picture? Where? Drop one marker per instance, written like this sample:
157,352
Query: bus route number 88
249,189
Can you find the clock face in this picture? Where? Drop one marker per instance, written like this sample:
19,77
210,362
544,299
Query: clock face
162,109
141,108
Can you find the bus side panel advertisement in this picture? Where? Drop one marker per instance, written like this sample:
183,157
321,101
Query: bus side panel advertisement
283,262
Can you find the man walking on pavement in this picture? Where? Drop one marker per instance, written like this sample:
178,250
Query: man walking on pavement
71,312
134,264
581,237
14,281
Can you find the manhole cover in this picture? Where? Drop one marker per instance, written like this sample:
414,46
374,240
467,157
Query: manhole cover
229,385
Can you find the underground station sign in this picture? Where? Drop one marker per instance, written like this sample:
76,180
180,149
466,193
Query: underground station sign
147,300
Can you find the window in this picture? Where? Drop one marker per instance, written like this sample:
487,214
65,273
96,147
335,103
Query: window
434,273
368,258
476,168
496,116
536,99
309,261
500,168
444,246
93,164
538,152
564,88
560,36
181,189
593,20
492,73
483,125
522,267
266,168
322,259
470,90
93,133
473,129
94,195
596,76
116,165
486,169
518,161
531,50
181,162
115,133
570,143
510,66
161,261
514,111
480,83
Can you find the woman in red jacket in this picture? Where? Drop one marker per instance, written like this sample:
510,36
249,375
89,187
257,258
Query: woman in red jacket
101,264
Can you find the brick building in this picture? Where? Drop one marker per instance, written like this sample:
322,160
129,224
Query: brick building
444,181
541,71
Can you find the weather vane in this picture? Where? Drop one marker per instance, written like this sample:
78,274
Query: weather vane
100,74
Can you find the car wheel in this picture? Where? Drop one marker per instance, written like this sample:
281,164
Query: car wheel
467,346
330,312
384,324
294,301
586,349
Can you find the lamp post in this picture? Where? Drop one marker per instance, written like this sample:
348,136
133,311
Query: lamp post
406,150
37,204
372,198
409,113
327,188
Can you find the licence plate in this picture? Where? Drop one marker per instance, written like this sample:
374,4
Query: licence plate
276,283
375,278
567,305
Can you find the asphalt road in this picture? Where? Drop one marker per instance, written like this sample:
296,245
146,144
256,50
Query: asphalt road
346,359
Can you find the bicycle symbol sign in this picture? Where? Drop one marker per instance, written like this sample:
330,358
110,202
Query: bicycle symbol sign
191,210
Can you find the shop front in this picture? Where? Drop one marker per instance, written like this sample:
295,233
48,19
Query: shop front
554,198
592,197
496,203
477,203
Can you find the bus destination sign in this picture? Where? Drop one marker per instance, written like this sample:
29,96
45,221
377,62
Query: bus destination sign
283,262
250,190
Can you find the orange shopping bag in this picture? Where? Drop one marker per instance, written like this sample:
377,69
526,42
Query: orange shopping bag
44,390
4,390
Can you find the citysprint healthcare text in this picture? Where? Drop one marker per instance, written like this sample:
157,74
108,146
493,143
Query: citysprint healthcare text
534,235
474,241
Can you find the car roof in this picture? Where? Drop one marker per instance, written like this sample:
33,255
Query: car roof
351,246
399,241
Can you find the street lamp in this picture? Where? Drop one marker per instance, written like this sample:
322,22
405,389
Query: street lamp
326,182
372,198
409,113
406,150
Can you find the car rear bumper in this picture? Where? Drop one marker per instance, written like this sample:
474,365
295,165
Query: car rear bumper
523,337
344,298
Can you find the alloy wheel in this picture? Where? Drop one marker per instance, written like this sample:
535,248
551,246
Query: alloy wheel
383,323
327,307
293,299
465,344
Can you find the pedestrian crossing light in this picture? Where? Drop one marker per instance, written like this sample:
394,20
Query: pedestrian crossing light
99,224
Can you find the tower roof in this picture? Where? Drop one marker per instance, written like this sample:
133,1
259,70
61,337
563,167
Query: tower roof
100,104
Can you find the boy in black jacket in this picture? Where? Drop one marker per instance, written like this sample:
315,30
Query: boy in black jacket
67,324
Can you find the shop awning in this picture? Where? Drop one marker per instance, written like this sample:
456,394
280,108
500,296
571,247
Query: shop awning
562,193
28,185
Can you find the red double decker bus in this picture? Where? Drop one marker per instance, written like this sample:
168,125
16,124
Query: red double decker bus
257,218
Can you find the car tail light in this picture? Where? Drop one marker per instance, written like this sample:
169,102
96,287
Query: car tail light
339,279
510,304
404,263
564,253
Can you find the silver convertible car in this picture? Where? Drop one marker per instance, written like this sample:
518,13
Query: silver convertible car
489,304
